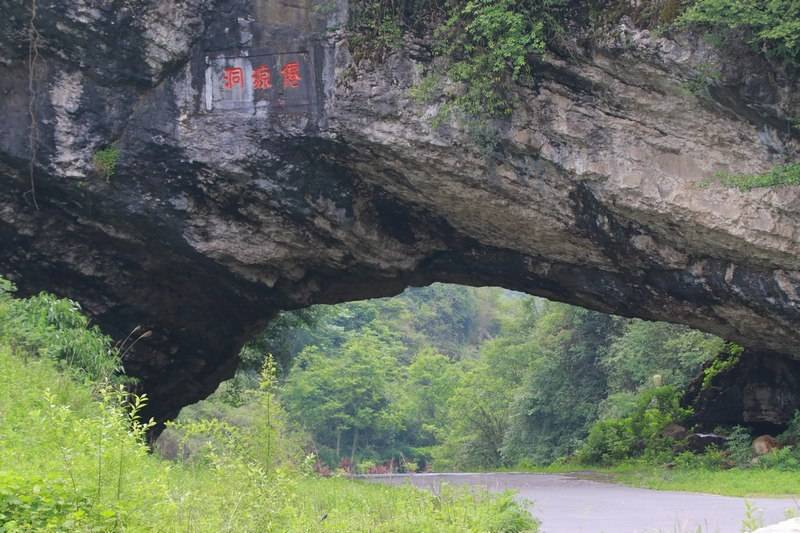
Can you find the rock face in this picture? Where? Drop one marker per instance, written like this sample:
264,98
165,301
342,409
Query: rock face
236,195
760,392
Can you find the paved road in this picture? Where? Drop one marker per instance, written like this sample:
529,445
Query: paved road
572,504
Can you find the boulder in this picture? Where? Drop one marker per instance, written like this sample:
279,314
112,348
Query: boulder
787,526
700,442
764,444
675,432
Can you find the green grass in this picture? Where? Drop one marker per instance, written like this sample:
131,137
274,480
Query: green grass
734,482
778,176
70,462
749,482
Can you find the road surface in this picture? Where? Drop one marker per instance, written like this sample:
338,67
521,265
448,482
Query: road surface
573,504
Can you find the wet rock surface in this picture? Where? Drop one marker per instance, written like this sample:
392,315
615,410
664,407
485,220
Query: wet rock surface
220,214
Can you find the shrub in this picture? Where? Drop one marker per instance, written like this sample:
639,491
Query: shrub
105,161
778,176
712,459
55,328
771,26
786,458
792,433
740,447
725,361
639,434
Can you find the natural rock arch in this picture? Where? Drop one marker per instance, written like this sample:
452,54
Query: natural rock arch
222,212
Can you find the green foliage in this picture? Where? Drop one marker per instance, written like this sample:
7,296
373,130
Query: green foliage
477,422
791,434
786,459
700,83
73,458
346,396
564,383
614,440
489,42
712,459
429,385
727,481
427,90
726,360
46,326
459,378
778,176
674,353
739,446
772,26
105,161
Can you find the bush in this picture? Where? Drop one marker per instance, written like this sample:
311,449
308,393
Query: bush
712,459
792,433
786,458
616,439
778,176
105,161
54,328
726,360
771,26
740,448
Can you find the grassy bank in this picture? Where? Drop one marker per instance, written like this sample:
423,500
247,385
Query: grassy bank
734,482
751,482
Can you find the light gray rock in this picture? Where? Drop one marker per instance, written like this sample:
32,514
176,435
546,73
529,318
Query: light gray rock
788,526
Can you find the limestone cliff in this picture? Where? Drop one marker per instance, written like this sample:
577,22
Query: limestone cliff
261,168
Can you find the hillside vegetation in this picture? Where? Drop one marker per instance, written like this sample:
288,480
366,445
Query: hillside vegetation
456,378
73,456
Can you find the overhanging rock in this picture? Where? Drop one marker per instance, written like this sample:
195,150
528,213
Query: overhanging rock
261,168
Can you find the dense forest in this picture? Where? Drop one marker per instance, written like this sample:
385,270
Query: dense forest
458,378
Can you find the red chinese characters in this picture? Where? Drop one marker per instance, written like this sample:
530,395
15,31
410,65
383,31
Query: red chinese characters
262,77
232,77
291,75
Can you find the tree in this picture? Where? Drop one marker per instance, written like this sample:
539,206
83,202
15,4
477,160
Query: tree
429,384
563,386
645,349
346,395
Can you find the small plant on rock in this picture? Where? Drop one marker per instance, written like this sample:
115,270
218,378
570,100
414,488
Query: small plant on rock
105,161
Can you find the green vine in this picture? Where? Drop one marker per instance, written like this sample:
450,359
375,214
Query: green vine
726,360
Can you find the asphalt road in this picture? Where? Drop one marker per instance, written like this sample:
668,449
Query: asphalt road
573,504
